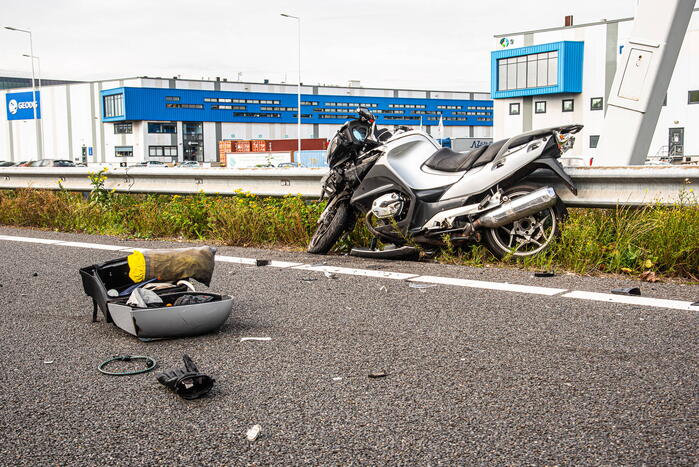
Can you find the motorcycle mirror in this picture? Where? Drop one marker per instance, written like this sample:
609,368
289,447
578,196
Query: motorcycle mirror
365,114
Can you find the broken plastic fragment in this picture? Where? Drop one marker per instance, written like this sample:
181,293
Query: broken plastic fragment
695,304
243,339
48,362
262,262
627,291
377,374
330,275
383,287
308,279
337,378
253,432
544,274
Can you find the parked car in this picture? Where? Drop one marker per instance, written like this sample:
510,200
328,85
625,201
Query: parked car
6,164
52,163
287,164
23,164
150,164
189,165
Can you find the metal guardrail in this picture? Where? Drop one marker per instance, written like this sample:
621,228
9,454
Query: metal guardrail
597,186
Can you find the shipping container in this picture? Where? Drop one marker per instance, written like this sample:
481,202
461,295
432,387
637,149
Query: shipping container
242,146
308,144
258,145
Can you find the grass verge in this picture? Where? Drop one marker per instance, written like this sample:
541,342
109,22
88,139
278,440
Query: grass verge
660,239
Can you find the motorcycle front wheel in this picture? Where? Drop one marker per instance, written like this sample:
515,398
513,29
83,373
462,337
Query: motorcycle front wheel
336,219
529,235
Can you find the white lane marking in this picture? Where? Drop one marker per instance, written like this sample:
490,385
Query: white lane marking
96,246
357,272
29,240
631,300
489,285
284,264
235,259
576,294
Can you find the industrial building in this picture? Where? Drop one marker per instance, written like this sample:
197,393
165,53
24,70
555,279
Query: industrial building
560,75
169,120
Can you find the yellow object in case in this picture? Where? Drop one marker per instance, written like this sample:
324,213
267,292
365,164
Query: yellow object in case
137,266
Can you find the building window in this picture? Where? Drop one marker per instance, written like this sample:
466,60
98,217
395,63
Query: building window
540,107
123,128
568,105
123,151
162,128
172,98
162,151
514,108
594,140
693,97
528,71
113,105
184,106
597,103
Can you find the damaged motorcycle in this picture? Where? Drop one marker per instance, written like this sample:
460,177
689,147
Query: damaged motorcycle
412,191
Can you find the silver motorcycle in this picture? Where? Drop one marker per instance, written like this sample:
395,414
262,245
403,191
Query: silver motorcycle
410,190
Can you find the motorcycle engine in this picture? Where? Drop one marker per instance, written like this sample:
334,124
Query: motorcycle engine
388,205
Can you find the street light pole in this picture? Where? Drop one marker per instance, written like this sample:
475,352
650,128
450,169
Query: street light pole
39,150
38,66
298,89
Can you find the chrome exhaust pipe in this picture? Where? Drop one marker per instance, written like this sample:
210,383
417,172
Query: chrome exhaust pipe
517,208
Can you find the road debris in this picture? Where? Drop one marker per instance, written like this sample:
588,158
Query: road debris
383,288
337,378
150,365
187,382
419,285
627,291
243,339
48,362
544,274
308,279
262,262
330,275
378,374
253,432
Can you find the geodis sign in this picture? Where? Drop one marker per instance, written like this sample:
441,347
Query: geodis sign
20,105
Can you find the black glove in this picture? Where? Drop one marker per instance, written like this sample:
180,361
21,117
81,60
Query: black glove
187,382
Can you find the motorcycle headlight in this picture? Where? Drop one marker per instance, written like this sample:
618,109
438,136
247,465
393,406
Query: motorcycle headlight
331,149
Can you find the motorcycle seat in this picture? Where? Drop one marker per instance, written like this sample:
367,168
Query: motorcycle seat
446,160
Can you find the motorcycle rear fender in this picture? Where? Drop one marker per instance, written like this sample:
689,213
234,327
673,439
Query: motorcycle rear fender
554,166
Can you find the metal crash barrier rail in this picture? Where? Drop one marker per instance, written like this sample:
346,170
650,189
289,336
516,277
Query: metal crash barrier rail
597,186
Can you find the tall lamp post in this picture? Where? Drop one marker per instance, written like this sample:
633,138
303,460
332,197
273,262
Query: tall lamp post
40,152
38,69
298,90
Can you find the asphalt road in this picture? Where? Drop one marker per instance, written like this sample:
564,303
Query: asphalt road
474,376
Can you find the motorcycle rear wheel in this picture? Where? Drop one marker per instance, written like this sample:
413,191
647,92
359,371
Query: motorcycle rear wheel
331,229
527,236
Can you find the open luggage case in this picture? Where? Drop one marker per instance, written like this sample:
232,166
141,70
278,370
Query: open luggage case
152,322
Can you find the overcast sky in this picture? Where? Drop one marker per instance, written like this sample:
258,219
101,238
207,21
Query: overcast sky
438,44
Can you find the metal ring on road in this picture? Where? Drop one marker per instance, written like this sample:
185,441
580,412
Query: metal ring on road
151,364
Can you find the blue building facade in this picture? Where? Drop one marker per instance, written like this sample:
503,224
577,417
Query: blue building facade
553,68
167,104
